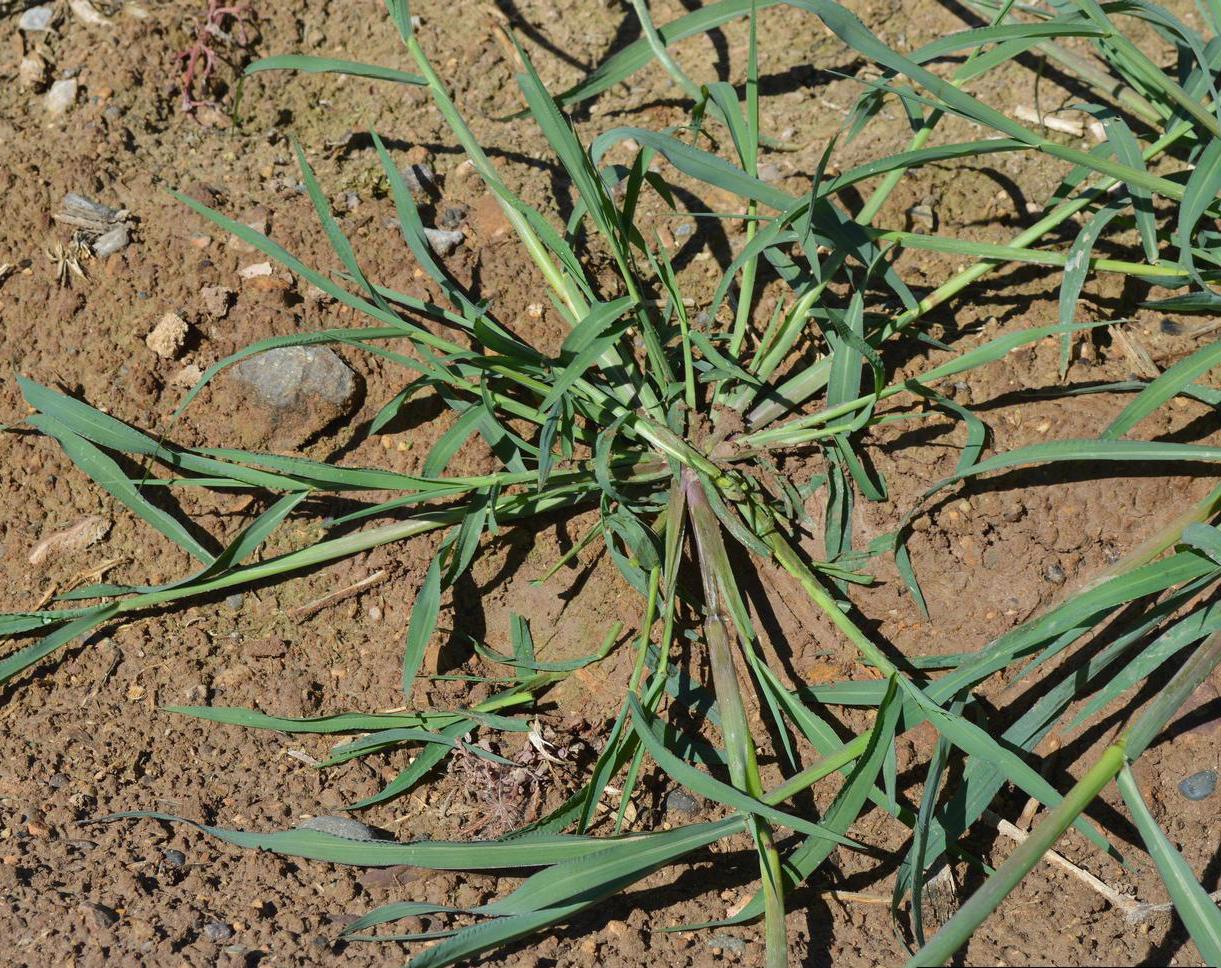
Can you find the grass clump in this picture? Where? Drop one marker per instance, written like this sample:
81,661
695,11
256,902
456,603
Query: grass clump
675,426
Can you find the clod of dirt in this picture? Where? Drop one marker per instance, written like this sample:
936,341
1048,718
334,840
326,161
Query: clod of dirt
187,377
36,20
1199,786
216,300
33,72
291,394
85,532
61,97
344,827
443,242
168,336
489,219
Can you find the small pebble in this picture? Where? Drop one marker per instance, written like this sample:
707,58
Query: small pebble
769,173
418,177
234,601
684,230
61,96
443,242
453,216
1199,786
1054,573
103,916
217,931
680,801
117,239
37,19
725,942
375,613
58,781
175,858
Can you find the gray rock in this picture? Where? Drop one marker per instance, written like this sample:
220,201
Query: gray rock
58,781
103,916
117,239
344,827
175,858
443,242
680,801
234,601
1199,786
36,20
453,216
297,391
1054,573
418,178
217,931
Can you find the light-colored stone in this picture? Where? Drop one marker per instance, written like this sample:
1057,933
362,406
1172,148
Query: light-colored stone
37,20
61,97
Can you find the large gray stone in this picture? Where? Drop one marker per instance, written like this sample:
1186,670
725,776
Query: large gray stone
292,393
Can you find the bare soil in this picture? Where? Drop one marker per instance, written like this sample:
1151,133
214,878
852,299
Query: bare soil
84,735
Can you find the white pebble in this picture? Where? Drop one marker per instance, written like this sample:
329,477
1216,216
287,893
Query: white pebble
37,19
61,96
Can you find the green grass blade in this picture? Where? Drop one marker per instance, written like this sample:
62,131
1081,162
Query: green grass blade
331,65
1166,386
109,476
422,624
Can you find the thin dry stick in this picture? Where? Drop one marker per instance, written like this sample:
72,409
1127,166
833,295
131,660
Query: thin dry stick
1124,903
334,597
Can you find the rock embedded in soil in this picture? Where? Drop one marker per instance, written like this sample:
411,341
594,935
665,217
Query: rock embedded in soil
418,177
442,242
217,931
168,336
289,395
61,97
36,20
102,916
175,858
1199,786
680,801
108,243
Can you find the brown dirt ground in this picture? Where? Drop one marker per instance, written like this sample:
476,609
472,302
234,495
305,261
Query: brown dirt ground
84,735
